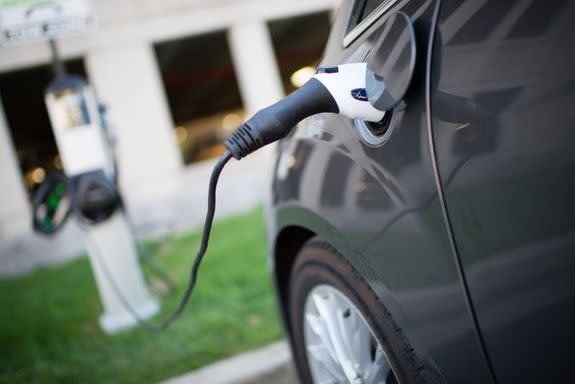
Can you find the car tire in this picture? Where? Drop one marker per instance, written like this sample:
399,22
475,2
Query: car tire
321,267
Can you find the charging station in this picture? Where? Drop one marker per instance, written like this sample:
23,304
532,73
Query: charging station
89,165
87,188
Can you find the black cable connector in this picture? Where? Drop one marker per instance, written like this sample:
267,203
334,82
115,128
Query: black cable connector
265,127
276,121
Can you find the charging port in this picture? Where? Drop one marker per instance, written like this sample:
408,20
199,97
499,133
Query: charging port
375,134
381,127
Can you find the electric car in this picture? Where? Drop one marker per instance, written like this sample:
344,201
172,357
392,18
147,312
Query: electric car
437,245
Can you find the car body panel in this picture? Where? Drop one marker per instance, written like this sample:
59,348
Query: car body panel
503,118
379,206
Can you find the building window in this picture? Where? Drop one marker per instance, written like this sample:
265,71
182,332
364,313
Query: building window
22,93
202,92
298,44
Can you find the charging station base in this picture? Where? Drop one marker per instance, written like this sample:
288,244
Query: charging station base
112,251
116,322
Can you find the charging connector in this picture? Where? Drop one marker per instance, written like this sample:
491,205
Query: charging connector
338,89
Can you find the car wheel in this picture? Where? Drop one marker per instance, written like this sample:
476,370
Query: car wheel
341,332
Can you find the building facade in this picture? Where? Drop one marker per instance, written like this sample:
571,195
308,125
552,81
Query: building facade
148,61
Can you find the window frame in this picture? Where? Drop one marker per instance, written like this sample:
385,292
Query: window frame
367,22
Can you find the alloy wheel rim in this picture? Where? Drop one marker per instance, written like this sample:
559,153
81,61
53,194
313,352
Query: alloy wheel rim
340,345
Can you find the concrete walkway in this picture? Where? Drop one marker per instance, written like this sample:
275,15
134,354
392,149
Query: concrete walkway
271,364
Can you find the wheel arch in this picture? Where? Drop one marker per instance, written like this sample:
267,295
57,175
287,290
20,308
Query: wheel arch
289,241
295,226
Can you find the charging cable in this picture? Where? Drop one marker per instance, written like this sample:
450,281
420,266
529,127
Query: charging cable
340,89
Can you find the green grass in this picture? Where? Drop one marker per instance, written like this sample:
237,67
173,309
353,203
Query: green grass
49,330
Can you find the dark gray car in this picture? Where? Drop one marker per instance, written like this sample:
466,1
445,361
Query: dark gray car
439,244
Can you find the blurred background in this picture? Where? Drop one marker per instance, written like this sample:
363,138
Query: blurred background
176,77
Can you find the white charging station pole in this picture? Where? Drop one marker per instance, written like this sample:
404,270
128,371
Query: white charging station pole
77,126
81,141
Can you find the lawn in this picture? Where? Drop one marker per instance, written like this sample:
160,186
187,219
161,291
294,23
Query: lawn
49,330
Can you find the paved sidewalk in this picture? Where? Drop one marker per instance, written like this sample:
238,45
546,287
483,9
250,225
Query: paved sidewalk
271,364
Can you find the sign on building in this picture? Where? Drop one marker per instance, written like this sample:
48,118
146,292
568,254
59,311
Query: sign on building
23,21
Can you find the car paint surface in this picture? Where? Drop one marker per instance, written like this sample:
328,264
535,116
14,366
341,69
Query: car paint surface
503,106
382,209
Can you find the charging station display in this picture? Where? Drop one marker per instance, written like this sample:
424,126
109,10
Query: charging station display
75,119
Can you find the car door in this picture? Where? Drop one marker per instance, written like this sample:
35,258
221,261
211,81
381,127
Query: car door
503,118
376,185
